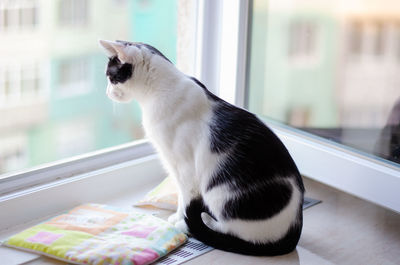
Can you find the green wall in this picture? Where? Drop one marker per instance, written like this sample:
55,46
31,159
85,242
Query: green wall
277,84
113,124
155,23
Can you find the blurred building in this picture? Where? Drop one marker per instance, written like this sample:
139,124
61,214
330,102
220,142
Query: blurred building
370,63
326,64
52,83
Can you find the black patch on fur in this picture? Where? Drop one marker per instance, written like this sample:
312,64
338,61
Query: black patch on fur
140,45
232,243
257,168
118,72
257,163
255,153
264,201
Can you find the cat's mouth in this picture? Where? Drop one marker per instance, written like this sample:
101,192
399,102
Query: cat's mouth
118,94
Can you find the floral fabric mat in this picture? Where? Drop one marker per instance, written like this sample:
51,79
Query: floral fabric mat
100,234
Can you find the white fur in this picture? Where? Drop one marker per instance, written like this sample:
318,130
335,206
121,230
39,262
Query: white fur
176,113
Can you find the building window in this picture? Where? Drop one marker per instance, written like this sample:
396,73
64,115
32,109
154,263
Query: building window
31,82
355,38
74,77
368,39
12,151
74,137
20,84
379,38
73,12
350,94
302,39
18,15
396,46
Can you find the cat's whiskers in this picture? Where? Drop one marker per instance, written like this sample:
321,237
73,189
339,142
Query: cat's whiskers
115,112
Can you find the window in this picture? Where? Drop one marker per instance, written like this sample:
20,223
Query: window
349,102
73,12
74,137
18,15
355,38
74,77
12,151
341,111
52,92
20,84
302,40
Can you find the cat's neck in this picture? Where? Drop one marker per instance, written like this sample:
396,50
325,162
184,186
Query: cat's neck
160,90
157,87
175,96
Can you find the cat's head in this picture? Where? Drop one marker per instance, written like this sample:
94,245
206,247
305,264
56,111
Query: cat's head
130,68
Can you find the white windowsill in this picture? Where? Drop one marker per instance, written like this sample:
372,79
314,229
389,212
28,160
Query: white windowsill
119,185
126,180
123,184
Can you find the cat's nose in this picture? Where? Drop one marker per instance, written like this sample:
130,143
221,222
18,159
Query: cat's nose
118,93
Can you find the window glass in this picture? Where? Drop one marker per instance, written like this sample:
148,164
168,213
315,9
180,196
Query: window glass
330,68
53,101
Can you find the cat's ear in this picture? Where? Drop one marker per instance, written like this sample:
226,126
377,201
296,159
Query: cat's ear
112,48
108,48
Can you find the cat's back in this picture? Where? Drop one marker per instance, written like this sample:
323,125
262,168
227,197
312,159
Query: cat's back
246,142
241,134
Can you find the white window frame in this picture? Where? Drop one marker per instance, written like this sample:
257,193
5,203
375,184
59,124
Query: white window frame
333,164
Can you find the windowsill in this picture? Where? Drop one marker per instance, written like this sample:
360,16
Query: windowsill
126,200
120,185
103,185
341,230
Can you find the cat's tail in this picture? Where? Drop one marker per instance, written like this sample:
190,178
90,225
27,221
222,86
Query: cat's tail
232,243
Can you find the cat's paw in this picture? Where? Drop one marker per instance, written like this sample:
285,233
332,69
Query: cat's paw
182,226
174,218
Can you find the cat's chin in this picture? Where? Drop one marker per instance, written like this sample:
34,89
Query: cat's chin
118,96
117,100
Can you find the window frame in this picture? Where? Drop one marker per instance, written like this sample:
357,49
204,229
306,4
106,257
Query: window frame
353,172
18,182
15,183
327,162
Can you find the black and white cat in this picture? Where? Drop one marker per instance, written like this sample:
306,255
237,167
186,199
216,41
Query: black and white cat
239,189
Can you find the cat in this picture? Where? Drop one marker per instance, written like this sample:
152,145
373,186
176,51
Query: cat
239,189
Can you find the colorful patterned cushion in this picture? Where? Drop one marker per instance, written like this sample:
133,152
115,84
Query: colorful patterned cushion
164,196
99,234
